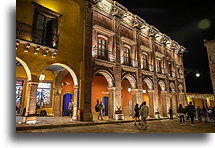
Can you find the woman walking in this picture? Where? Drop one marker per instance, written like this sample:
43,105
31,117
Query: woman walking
137,115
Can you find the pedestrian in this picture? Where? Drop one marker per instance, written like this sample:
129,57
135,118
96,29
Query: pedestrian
205,114
157,114
136,115
191,112
209,113
70,107
170,113
100,107
144,111
199,113
181,111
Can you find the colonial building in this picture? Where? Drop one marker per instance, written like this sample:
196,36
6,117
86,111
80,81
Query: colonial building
210,45
132,62
91,51
49,56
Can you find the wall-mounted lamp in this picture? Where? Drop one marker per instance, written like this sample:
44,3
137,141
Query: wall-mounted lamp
144,91
42,77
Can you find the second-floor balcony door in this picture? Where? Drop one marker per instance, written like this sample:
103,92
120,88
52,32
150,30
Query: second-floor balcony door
126,56
44,30
102,48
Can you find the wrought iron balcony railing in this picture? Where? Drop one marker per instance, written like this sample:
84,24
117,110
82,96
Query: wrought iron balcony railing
104,54
39,36
129,61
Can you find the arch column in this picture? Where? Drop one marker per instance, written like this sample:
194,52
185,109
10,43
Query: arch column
151,103
75,104
57,101
31,102
111,102
164,103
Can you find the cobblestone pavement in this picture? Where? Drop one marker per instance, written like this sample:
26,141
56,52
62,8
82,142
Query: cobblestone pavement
157,126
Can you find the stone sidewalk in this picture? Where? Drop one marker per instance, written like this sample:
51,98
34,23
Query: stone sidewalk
58,122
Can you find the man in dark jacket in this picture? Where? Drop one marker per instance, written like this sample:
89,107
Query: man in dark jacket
191,112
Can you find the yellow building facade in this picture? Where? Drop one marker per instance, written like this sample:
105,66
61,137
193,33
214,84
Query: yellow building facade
50,38
202,100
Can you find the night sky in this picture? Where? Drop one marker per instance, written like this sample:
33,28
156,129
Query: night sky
189,24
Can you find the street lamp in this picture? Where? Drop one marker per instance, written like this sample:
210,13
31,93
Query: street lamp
197,74
187,71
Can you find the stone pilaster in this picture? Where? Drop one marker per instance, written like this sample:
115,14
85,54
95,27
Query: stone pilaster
117,68
151,103
174,102
164,104
86,86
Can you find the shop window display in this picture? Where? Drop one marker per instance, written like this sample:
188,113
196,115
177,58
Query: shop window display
44,95
19,92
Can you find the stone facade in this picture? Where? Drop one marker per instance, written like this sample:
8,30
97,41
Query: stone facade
210,45
124,46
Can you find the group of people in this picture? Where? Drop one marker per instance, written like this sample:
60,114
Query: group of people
190,112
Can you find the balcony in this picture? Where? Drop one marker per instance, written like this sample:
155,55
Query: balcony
129,61
36,35
104,55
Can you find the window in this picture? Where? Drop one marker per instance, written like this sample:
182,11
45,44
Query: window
144,61
44,94
159,65
169,68
101,47
126,55
45,26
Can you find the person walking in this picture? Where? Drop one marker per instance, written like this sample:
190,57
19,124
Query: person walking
136,115
191,112
199,113
144,111
205,114
100,106
70,107
181,112
170,113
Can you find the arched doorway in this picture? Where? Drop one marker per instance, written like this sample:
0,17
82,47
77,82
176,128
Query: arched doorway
61,86
101,84
23,75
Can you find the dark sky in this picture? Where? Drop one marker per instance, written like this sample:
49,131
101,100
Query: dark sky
190,24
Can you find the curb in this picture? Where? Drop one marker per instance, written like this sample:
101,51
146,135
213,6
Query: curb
35,127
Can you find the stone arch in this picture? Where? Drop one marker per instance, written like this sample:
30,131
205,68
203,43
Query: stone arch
149,83
27,70
162,85
108,77
131,80
172,86
74,76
